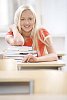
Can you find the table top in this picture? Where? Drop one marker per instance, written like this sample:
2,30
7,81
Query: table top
52,64
8,64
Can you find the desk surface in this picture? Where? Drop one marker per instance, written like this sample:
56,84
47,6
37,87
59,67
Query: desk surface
8,64
53,64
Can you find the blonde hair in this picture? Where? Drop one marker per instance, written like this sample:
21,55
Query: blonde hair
19,12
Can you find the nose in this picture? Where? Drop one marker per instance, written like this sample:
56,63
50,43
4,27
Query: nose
27,22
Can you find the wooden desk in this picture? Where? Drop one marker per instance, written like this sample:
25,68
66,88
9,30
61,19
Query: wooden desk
41,65
45,81
12,82
8,64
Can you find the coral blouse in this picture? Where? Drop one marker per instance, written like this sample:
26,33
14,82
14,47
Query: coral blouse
41,45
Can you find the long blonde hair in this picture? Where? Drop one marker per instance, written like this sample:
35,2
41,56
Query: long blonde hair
17,20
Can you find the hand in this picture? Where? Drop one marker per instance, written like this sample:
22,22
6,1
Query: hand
17,43
18,38
29,58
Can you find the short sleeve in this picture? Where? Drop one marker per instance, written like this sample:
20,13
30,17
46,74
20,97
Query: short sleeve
46,33
43,33
42,36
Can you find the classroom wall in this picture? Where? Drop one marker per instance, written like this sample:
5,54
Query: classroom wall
54,16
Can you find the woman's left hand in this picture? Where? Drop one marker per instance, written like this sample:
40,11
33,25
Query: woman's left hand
29,58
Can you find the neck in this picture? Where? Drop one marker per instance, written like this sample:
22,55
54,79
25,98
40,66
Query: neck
26,34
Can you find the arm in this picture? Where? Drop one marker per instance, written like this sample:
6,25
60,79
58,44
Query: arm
16,38
51,56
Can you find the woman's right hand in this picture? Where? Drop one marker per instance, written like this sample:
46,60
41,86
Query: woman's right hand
18,39
17,43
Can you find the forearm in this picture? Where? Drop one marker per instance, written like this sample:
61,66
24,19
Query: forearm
17,35
48,57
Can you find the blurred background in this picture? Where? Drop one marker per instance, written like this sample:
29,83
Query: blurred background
52,15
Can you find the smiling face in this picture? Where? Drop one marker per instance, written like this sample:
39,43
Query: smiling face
27,21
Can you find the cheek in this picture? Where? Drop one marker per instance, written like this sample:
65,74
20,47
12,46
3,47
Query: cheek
33,23
21,23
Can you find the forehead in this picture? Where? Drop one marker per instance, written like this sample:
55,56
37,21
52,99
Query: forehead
27,12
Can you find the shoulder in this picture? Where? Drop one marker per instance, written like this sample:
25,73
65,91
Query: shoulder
43,31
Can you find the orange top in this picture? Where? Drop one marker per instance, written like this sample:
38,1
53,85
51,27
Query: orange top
41,45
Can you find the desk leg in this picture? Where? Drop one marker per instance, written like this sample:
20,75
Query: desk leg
59,68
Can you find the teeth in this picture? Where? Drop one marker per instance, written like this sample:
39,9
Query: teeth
27,26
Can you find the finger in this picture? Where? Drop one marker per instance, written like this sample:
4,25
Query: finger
31,60
30,56
25,58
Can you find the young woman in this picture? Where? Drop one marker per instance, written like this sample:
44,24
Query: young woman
24,32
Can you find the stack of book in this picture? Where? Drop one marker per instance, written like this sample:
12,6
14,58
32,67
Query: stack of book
19,52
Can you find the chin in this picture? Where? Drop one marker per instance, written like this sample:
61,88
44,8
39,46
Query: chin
28,30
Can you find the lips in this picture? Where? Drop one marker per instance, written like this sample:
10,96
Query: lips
27,26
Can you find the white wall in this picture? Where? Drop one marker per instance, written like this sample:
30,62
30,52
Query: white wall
54,16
